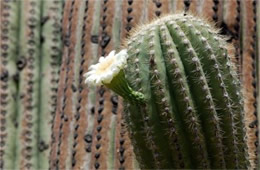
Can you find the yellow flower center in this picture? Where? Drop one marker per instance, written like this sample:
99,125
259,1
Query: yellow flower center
103,67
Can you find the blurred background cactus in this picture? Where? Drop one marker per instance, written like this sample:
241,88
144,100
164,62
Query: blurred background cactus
49,119
30,61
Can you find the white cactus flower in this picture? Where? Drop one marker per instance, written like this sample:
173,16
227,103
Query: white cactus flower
109,71
107,68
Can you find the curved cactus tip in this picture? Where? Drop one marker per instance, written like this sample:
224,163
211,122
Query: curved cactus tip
109,72
139,29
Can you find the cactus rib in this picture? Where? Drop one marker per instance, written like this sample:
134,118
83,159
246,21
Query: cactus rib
9,14
49,71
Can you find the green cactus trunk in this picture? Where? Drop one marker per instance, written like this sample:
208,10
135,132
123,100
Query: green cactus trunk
193,116
8,85
31,59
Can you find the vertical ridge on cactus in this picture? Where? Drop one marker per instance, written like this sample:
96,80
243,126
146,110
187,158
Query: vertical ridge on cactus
9,14
50,59
64,138
25,127
254,57
249,75
26,140
102,95
80,51
138,130
258,77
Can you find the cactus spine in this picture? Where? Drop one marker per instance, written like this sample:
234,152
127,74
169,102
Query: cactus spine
194,105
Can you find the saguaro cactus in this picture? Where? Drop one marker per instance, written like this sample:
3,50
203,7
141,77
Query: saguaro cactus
30,47
30,58
192,113
88,131
7,84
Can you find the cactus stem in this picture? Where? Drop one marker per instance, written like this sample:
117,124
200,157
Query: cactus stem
120,86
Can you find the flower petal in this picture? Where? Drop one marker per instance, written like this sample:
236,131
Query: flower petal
106,68
101,59
111,54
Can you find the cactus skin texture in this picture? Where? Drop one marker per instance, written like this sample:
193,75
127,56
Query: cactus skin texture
88,131
194,114
7,83
30,59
